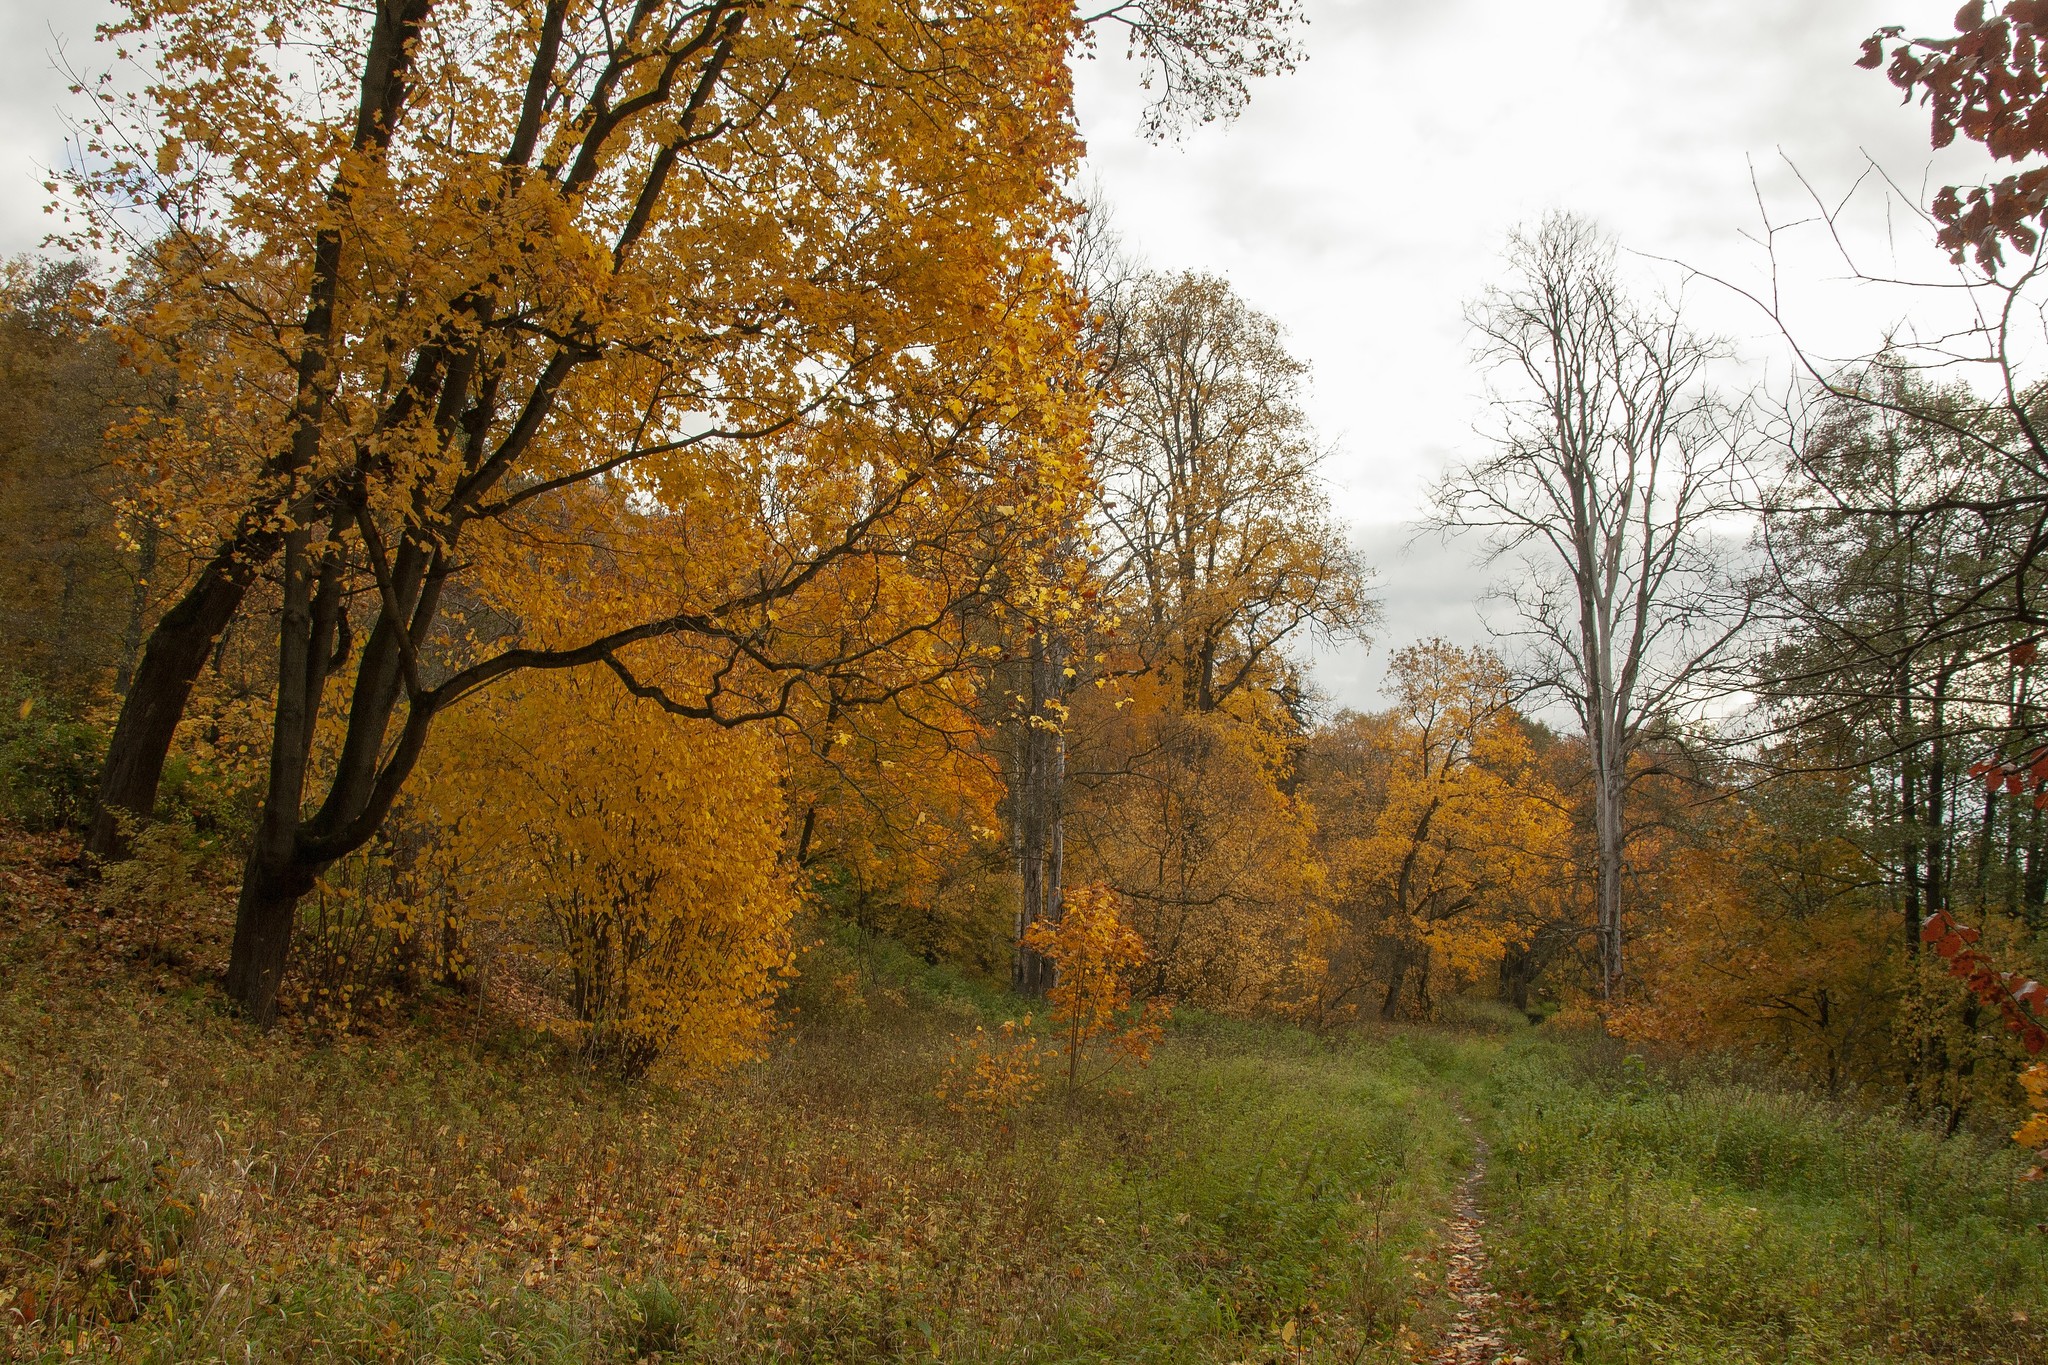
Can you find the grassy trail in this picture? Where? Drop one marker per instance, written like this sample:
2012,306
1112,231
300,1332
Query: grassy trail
173,1188
1474,1335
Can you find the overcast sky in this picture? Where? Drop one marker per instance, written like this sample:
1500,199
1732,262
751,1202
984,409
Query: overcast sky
1364,198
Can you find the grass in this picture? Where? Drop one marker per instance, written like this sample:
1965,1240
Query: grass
1641,1218
174,1188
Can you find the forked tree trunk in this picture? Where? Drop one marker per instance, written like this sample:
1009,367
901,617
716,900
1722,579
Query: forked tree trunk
156,699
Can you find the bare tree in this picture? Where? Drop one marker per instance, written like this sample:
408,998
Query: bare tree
1612,459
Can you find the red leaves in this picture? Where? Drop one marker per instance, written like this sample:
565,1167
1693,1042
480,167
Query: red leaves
2021,1000
1987,84
2015,775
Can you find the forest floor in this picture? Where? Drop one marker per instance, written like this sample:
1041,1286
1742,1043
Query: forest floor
452,1188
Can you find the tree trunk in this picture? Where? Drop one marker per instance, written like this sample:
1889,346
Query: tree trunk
1909,808
2036,889
278,872
1397,979
157,696
272,885
1608,834
1937,813
1517,974
178,647
1037,801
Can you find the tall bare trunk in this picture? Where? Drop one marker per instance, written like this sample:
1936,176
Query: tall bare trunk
1609,836
1037,799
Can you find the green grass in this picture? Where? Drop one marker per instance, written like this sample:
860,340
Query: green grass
1644,1219
173,1188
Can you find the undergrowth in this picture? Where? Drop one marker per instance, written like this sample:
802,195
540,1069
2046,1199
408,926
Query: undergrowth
1642,1218
176,1188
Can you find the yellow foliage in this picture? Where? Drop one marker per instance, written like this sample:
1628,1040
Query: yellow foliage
2034,1132
634,857
894,819
1445,843
727,346
1097,954
1192,826
993,1074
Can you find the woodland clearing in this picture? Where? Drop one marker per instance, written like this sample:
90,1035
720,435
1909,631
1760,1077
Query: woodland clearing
177,1187
658,703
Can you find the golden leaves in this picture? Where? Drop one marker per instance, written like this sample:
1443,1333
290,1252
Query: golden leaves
633,856
1096,955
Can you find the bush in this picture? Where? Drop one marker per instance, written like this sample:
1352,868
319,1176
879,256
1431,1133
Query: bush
49,760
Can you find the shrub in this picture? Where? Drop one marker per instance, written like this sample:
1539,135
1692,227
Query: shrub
49,761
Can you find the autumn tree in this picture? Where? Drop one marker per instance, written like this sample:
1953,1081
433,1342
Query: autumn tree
1216,525
1771,936
894,820
1444,842
1211,555
1613,457
1208,553
630,859
627,329
1096,955
1200,59
1187,816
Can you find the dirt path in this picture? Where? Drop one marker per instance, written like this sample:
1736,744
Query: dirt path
1475,1336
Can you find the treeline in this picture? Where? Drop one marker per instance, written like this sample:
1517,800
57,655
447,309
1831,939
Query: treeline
547,506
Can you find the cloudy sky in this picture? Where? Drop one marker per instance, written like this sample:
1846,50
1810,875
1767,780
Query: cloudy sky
1364,198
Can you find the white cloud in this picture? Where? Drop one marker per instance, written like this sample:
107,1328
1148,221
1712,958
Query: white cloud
1363,199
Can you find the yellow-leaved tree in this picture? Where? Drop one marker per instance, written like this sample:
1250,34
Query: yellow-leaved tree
724,345
894,821
1214,555
1185,815
1096,957
631,857
1443,840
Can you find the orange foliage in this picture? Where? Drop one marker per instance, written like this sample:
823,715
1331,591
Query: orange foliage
2019,999
628,859
1444,842
1764,939
1193,825
994,1074
1096,954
